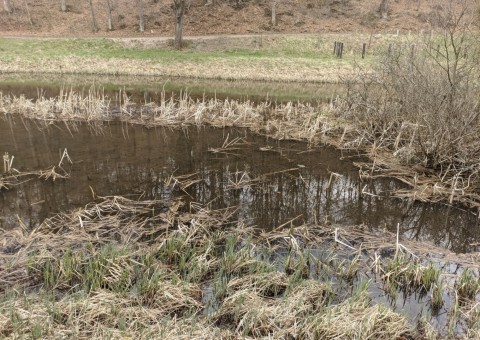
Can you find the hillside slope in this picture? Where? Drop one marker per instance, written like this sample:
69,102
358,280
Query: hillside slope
223,17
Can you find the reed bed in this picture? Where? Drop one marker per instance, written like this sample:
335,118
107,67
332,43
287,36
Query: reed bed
122,267
286,121
292,121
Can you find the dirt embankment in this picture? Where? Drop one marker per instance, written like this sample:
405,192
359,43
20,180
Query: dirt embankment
44,17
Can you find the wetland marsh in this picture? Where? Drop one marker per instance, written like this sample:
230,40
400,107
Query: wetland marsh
175,212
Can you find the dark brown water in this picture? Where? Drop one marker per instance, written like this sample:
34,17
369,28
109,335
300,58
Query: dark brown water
290,180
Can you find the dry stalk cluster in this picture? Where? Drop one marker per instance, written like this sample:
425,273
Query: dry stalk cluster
422,105
150,269
284,121
7,162
13,177
69,105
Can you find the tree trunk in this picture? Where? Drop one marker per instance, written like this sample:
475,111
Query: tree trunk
179,12
94,21
63,6
28,12
383,9
274,13
7,6
109,15
141,24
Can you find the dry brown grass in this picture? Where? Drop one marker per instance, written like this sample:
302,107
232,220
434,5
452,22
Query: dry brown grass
241,68
284,121
121,267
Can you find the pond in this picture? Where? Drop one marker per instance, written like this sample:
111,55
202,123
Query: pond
270,182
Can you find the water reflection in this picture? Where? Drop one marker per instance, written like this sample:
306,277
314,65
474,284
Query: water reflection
149,89
270,182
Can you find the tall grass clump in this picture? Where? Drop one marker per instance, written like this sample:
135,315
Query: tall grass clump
468,285
296,121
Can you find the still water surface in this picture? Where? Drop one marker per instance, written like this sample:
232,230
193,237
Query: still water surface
271,182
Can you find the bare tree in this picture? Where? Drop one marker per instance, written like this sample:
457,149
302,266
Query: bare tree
7,6
63,6
383,9
179,6
94,21
109,15
141,23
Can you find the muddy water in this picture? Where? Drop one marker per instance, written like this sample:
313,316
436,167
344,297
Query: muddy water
270,182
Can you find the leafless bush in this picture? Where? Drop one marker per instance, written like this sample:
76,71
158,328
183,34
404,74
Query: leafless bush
423,101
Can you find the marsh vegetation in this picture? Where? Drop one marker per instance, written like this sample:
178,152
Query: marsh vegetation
172,261
186,257
122,267
421,105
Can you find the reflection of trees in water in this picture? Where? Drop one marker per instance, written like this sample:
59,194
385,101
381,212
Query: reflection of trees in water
130,160
446,226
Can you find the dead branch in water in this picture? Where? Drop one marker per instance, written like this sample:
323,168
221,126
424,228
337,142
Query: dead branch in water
229,146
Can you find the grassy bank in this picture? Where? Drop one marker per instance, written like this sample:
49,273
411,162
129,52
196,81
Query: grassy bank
296,58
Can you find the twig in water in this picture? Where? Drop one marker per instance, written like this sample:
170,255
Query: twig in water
341,242
64,155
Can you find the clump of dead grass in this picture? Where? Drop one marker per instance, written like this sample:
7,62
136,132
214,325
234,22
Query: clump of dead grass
11,177
283,121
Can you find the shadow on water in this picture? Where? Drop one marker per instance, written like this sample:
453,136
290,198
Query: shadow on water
271,182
